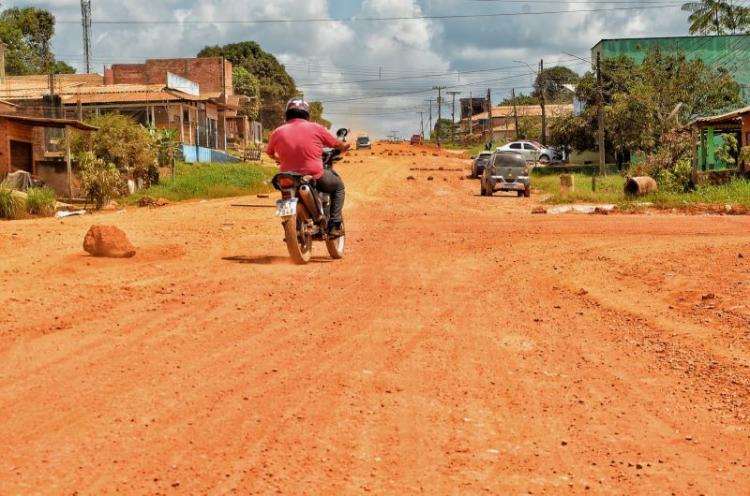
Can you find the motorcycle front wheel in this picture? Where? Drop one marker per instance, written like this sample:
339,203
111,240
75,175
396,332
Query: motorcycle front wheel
298,243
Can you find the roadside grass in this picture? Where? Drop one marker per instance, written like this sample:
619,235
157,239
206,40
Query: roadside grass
471,151
11,206
609,189
210,181
41,201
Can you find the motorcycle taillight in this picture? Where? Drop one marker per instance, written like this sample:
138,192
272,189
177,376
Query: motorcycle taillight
286,182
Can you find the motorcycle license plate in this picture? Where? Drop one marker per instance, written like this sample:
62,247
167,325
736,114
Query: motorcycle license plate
286,208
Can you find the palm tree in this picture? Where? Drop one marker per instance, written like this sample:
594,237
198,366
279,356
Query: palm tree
735,18
706,16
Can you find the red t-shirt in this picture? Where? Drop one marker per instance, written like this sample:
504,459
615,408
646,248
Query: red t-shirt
299,146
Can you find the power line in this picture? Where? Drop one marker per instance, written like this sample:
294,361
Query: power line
379,19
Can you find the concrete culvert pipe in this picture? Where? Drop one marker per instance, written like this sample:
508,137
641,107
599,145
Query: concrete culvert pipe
640,186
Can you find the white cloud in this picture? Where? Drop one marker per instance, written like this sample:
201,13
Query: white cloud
323,56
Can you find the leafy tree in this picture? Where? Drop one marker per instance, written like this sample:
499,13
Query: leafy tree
100,180
63,68
26,33
276,85
121,141
553,80
642,102
716,17
316,114
521,99
443,129
529,128
247,84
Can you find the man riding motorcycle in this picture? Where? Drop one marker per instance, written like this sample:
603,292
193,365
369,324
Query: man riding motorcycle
298,147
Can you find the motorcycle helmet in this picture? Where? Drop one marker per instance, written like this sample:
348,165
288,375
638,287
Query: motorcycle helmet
297,108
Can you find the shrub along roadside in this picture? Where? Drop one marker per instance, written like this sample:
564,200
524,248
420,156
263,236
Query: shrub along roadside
41,201
210,181
11,206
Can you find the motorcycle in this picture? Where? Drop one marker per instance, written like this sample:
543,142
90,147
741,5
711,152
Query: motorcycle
305,212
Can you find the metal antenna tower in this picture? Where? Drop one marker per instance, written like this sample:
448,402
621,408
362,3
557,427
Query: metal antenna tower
86,23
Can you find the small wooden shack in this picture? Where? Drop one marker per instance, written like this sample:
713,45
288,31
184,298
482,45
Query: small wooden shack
709,134
40,146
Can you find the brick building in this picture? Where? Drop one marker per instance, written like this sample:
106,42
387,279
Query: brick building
194,97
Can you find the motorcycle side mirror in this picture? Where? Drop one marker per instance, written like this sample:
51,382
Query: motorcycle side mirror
342,133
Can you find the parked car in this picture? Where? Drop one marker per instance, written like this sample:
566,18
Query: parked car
363,142
531,151
480,161
416,139
506,171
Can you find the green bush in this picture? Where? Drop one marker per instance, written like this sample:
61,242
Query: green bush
11,206
675,179
120,140
41,201
101,180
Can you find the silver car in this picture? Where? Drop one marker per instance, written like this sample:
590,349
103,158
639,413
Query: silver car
506,171
531,151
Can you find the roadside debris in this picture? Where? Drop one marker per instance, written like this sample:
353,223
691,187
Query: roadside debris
581,209
108,241
640,186
539,210
150,201
69,213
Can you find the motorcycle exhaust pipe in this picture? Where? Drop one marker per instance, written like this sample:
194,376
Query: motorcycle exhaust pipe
308,200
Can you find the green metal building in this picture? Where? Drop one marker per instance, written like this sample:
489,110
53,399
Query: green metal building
729,51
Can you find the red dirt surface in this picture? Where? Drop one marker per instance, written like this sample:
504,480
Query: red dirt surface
463,346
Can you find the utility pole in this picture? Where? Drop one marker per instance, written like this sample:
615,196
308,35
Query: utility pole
491,130
542,87
453,115
86,23
429,102
515,110
600,114
440,109
471,114
421,124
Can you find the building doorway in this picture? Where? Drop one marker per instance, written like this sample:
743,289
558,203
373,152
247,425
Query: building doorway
21,156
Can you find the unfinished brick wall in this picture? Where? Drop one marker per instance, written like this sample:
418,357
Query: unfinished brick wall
128,74
207,72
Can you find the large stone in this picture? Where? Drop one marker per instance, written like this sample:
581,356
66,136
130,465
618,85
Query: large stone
108,241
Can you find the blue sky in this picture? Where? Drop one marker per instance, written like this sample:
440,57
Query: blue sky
371,76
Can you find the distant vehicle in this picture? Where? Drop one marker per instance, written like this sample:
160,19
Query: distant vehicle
416,139
363,142
506,171
531,151
480,161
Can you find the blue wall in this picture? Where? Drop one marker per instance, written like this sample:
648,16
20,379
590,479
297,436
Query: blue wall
192,154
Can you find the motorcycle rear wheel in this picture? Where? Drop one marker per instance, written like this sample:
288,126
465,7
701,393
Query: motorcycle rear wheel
298,243
336,247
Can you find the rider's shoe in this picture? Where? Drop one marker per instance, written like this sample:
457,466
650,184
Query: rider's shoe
335,230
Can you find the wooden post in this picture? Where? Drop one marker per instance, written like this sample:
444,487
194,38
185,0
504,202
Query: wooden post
68,164
182,124
694,156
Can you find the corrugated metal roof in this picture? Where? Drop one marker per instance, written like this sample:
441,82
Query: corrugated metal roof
729,116
36,86
554,110
127,93
48,122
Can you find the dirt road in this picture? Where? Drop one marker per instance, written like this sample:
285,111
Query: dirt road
464,346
